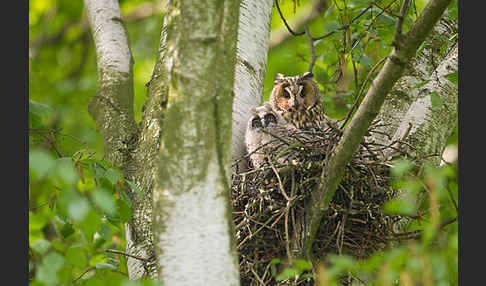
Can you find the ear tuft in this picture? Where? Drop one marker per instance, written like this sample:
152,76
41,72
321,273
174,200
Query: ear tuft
307,75
278,78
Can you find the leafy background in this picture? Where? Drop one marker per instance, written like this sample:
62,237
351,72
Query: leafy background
76,206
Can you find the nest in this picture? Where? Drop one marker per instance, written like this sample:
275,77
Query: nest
269,206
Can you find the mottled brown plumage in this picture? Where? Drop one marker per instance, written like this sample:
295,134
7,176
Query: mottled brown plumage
297,99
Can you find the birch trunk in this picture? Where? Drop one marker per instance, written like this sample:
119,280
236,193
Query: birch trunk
193,230
252,49
421,68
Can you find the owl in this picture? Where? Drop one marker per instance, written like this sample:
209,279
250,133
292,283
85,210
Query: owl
262,124
297,99
268,135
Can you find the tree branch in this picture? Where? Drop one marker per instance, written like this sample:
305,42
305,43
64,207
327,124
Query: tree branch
304,15
112,107
367,112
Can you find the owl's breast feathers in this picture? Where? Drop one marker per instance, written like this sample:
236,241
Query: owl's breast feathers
312,118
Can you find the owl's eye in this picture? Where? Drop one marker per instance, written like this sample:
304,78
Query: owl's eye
255,123
270,118
286,94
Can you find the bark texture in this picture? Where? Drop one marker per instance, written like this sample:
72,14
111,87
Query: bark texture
193,230
252,49
139,234
419,70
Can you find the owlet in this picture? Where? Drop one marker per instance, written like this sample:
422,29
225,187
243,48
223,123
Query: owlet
267,134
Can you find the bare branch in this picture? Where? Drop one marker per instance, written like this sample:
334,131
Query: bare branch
303,15
398,29
285,21
311,46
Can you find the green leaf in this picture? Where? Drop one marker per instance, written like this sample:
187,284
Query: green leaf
123,210
385,19
452,9
331,26
452,77
73,205
40,109
66,230
40,246
400,206
420,49
287,273
136,189
372,263
76,256
303,265
40,162
435,99
90,225
50,265
78,208
104,265
342,262
64,172
96,259
104,200
105,232
124,196
113,175
400,167
366,61
419,85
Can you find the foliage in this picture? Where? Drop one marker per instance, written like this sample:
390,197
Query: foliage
428,252
77,203
77,209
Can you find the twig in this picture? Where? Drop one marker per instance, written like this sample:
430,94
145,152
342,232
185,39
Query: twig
126,254
285,22
398,36
82,274
311,45
452,198
355,104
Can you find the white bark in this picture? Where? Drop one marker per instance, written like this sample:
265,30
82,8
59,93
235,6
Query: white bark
111,42
252,49
192,222
432,126
195,243
420,69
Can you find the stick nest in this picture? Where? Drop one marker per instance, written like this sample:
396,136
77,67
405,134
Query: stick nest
269,205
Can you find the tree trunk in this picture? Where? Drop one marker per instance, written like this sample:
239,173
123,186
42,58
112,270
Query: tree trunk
192,222
251,61
421,69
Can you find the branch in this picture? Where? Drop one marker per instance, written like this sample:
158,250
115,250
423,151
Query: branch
367,112
112,107
285,22
398,30
311,45
304,15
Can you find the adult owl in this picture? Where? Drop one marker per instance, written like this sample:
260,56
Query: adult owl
267,134
298,100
